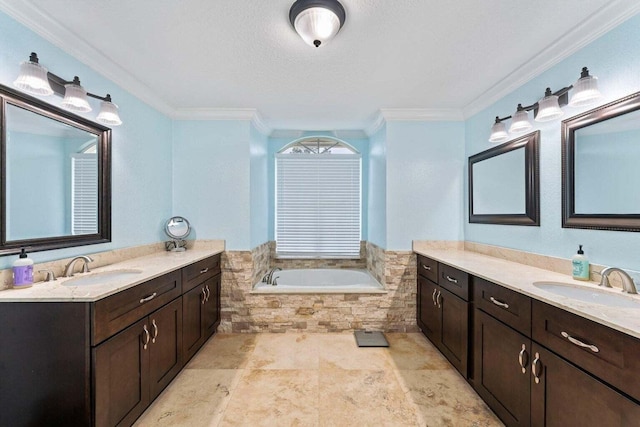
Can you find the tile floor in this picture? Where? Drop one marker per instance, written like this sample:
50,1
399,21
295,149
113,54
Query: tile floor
317,380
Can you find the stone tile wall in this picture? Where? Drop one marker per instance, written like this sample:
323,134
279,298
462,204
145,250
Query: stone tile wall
243,311
287,264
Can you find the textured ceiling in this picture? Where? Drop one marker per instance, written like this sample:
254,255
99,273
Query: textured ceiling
226,54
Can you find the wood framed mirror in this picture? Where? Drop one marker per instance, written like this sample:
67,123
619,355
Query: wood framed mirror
55,184
504,183
600,167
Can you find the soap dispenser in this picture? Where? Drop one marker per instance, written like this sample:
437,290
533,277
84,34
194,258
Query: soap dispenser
22,271
580,265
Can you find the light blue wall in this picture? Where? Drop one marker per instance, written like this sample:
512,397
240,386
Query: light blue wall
614,59
276,144
377,189
424,191
211,179
259,188
141,149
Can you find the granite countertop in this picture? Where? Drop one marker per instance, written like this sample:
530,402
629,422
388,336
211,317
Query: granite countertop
150,266
520,278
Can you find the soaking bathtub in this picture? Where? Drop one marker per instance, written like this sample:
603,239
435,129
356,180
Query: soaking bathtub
321,280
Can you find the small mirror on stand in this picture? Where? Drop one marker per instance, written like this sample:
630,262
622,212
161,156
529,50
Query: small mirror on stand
178,229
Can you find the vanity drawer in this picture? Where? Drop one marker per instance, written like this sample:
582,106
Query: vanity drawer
200,271
116,312
454,280
509,307
612,356
428,268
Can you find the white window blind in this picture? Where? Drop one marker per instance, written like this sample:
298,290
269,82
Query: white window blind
318,205
84,194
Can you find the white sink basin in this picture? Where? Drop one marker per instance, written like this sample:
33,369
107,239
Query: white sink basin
102,277
589,294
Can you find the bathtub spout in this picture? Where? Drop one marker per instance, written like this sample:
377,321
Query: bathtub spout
268,278
275,281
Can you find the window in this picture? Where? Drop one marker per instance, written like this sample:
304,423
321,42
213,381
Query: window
318,200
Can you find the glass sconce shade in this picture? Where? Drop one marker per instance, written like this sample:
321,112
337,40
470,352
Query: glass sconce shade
498,132
75,98
33,79
317,21
520,121
548,108
585,91
109,114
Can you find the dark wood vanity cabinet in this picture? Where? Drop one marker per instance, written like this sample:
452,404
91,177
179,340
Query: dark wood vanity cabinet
442,315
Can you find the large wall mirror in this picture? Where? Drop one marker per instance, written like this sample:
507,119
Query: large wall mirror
504,183
56,176
601,167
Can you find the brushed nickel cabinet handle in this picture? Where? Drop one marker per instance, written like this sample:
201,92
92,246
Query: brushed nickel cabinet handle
146,337
580,343
451,279
149,298
204,270
208,291
536,368
523,358
439,299
433,297
155,331
426,267
499,303
204,296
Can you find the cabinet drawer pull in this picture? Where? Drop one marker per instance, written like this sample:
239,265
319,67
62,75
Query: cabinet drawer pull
433,297
580,343
499,303
439,299
204,270
536,368
426,267
146,337
155,331
523,358
208,291
149,298
451,279
204,296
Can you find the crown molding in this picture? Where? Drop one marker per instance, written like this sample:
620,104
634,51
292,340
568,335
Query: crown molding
421,114
375,125
602,21
258,122
49,29
214,114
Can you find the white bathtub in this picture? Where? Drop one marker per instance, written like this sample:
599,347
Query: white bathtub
321,280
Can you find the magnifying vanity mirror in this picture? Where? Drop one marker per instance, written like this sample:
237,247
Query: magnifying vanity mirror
600,173
178,228
504,183
55,180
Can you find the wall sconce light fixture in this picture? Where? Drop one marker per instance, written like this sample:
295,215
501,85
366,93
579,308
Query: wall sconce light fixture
37,80
548,108
317,21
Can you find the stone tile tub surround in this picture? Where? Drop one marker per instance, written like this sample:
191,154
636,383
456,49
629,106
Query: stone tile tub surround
243,311
520,278
107,258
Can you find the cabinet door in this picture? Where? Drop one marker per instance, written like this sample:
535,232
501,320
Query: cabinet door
567,396
192,312
165,356
211,315
121,376
430,316
500,378
455,329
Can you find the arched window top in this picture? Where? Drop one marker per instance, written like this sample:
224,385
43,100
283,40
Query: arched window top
318,145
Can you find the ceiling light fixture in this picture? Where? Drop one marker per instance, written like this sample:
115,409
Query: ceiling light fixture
584,92
36,80
317,21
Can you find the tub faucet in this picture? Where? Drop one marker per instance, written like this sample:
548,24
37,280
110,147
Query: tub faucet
68,270
268,278
274,282
627,282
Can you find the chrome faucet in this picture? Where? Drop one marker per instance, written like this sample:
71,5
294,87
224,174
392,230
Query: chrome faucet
268,278
627,282
68,270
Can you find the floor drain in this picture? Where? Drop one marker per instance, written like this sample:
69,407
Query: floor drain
371,339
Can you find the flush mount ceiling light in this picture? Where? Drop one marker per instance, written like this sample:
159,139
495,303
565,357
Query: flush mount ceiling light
317,21
584,92
34,79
